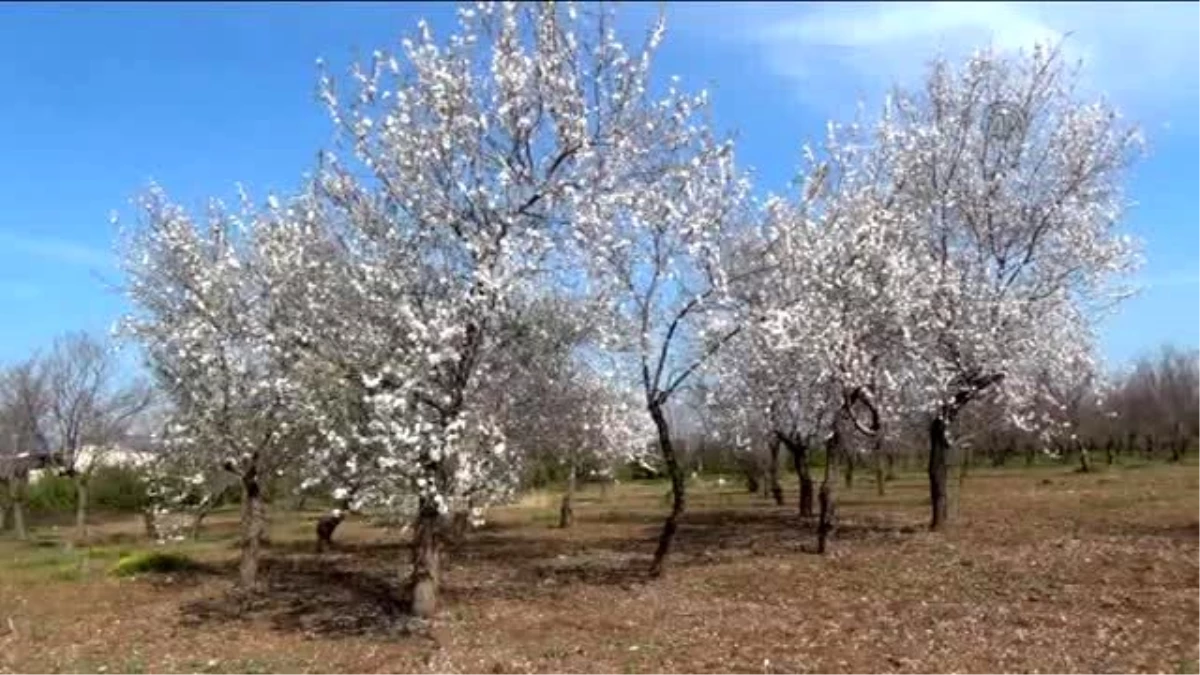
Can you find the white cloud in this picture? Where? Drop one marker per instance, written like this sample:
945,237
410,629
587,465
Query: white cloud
1141,54
58,250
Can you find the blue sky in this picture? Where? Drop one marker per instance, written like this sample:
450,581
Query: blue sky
103,98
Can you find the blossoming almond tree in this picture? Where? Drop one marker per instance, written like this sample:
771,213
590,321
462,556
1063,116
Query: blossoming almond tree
763,390
337,336
480,154
735,413
559,407
658,253
841,291
1056,382
609,428
205,317
1016,186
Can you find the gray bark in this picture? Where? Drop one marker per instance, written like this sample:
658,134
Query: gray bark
939,449
566,512
827,496
253,530
16,495
426,562
81,507
773,472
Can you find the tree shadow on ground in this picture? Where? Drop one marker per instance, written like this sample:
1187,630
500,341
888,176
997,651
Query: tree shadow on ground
312,596
356,589
766,531
544,564
193,574
771,533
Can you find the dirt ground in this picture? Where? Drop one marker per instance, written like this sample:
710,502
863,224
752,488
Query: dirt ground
1046,571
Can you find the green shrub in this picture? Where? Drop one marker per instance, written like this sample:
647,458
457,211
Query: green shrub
52,493
112,488
115,488
153,562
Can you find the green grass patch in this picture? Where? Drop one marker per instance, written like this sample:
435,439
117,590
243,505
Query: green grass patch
39,565
153,562
42,559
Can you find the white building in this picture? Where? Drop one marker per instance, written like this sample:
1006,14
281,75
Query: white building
92,457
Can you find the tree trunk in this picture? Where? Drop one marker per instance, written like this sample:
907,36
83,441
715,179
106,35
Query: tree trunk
150,523
1030,454
16,494
1085,460
879,470
253,530
799,450
205,507
939,450
890,474
197,521
751,480
566,514
1109,451
773,472
426,561
678,488
81,508
326,526
964,454
849,470
827,497
6,506
460,524
1180,445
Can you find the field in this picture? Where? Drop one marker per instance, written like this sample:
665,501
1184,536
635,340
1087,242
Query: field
1047,570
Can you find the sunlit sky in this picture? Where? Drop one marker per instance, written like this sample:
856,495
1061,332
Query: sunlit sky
102,98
